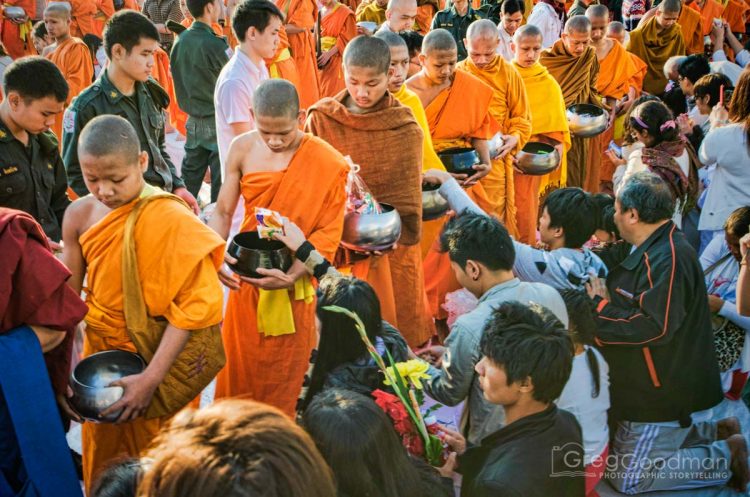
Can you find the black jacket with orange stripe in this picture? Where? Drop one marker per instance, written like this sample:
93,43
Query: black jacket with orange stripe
655,332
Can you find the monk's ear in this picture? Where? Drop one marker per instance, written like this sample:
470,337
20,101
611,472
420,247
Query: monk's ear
301,116
422,57
143,161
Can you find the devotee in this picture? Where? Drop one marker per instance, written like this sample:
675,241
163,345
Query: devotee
256,24
719,62
654,330
269,324
741,54
33,177
114,240
42,39
509,108
372,11
548,124
511,17
125,88
159,12
655,41
414,44
300,17
38,315
15,32
616,84
400,15
743,281
456,19
549,17
197,58
337,28
573,63
235,447
525,361
69,54
481,255
368,124
633,12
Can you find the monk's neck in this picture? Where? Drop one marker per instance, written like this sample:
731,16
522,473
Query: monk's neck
352,106
17,131
120,80
62,39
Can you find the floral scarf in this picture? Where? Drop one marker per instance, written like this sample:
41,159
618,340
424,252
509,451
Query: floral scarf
661,161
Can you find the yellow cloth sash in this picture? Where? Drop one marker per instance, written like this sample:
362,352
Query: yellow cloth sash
284,55
24,30
327,43
275,315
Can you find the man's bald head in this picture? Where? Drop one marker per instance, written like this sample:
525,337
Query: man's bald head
58,9
615,28
672,6
276,98
597,12
527,31
483,29
438,40
110,135
598,15
401,14
391,39
578,24
667,14
368,52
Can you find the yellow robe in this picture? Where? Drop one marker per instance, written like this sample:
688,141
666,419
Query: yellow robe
654,48
179,282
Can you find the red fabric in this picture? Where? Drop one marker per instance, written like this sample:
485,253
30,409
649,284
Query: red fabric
595,472
739,379
33,289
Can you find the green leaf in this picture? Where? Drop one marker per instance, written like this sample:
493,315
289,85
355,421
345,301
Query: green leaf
434,451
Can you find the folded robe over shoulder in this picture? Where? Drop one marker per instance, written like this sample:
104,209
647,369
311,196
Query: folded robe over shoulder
283,66
336,29
73,58
303,14
654,48
310,192
178,258
692,30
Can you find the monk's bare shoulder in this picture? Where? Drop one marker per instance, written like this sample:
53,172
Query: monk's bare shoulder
84,213
416,83
244,142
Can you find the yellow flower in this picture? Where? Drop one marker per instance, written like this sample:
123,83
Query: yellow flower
411,371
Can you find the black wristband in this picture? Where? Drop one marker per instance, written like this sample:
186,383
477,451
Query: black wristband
303,252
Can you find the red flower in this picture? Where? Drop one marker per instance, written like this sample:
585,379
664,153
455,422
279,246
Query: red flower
403,424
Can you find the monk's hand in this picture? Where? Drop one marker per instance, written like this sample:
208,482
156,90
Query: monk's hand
510,142
597,287
227,277
272,279
482,170
139,389
436,177
64,403
188,198
324,59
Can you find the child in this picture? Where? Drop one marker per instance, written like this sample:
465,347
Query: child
586,394
41,38
176,259
71,55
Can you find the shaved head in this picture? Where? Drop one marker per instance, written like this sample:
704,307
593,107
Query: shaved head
396,4
482,29
276,98
615,28
368,52
438,40
57,9
391,39
110,135
527,30
672,6
597,12
401,14
578,24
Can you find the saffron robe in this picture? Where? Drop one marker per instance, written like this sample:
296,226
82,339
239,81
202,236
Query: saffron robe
692,31
104,10
283,66
310,192
736,14
73,58
82,13
163,76
17,38
371,12
182,287
654,48
711,10
303,14
336,30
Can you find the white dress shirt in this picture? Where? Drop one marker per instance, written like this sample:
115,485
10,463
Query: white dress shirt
503,48
544,17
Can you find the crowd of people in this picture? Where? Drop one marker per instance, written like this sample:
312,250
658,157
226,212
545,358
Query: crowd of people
587,324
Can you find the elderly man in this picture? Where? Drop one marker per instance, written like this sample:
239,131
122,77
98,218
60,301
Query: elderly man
654,329
399,16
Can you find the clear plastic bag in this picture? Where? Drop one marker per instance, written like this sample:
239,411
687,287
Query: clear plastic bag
459,303
359,199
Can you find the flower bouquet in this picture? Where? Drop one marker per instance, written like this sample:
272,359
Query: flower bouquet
404,407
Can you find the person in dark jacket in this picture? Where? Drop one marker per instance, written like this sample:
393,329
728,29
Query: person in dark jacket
527,359
654,330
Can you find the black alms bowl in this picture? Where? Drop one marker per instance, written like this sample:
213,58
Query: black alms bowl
459,160
253,252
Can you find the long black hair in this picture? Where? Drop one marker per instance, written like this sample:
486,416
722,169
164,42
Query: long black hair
583,329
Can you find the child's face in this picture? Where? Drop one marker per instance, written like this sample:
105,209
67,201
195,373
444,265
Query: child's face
111,179
399,68
56,25
439,65
139,62
279,133
366,85
494,383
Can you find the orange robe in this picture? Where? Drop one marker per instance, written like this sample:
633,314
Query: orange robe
547,118
73,58
654,48
162,75
426,10
690,24
303,14
283,65
17,38
387,144
736,13
510,109
711,10
616,73
183,288
261,366
83,12
104,10
455,119
336,30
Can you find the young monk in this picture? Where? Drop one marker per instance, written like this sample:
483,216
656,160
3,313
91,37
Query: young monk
15,33
548,124
509,108
301,16
456,105
337,28
655,41
269,326
366,123
178,284
615,84
572,62
70,55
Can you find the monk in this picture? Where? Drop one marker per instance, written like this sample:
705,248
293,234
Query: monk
400,16
655,41
615,84
736,14
509,108
692,32
15,33
380,135
82,13
456,105
269,325
337,28
616,31
301,16
709,10
179,285
426,10
70,55
548,124
104,10
572,62
282,66
372,11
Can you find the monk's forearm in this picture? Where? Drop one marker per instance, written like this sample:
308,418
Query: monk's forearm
293,30
483,150
172,343
221,222
298,270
